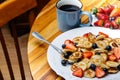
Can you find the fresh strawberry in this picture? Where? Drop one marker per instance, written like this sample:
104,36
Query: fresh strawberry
107,24
112,57
116,51
117,20
102,16
108,9
87,54
99,23
69,45
99,72
115,12
78,72
100,10
111,6
114,25
105,35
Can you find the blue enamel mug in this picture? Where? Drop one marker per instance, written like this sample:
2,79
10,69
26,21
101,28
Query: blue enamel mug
69,15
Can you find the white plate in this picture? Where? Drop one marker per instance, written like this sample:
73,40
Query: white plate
54,58
94,19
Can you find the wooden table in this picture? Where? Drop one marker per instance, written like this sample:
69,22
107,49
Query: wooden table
46,25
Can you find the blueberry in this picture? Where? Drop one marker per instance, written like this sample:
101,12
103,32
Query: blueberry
75,44
93,66
97,53
108,48
79,60
97,36
105,69
94,45
64,62
118,67
67,54
91,25
112,19
63,46
70,63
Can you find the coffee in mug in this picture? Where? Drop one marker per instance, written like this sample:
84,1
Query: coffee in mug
69,14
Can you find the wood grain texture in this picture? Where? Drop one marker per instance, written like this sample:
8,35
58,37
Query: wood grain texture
46,25
10,9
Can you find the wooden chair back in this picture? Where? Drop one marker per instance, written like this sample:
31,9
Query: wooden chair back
10,9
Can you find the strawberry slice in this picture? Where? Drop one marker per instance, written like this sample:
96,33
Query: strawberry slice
112,57
116,51
99,23
69,45
78,72
99,72
87,54
102,16
86,35
105,35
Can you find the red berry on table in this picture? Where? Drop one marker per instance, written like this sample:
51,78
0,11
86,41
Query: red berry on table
111,6
108,9
100,10
102,16
114,25
107,24
99,23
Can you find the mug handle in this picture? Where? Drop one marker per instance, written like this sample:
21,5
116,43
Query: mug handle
89,17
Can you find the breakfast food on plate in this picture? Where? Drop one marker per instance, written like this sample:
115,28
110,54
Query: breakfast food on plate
92,55
107,16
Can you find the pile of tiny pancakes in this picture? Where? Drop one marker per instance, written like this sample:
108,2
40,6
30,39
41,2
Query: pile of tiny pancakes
84,44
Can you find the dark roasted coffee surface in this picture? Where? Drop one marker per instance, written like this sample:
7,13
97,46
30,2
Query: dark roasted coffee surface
69,8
